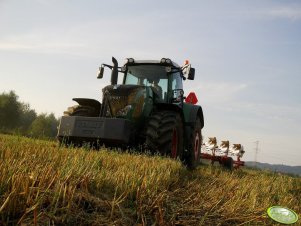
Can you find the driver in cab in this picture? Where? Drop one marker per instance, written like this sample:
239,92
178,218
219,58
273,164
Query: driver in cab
156,87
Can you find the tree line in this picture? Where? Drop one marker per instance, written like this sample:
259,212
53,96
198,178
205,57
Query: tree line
18,118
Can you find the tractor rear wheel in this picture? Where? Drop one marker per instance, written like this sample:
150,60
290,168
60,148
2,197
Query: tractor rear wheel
192,156
164,133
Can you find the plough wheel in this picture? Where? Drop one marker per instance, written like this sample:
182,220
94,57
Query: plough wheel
228,163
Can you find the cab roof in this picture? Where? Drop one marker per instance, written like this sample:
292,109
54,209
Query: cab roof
131,61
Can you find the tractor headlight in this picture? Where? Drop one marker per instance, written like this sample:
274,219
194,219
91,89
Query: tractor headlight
129,61
168,69
165,61
168,61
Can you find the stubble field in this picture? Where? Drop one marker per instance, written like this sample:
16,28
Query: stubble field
42,183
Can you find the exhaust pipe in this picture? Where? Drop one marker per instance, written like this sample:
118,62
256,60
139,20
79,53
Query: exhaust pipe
114,75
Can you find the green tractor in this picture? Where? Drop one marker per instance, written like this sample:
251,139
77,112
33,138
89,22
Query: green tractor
148,109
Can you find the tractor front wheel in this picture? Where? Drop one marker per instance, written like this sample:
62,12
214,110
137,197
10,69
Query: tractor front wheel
164,133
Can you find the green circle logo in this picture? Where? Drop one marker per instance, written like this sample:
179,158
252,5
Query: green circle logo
282,215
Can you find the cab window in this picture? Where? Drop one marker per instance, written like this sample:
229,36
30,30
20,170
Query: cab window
154,76
177,86
131,79
176,81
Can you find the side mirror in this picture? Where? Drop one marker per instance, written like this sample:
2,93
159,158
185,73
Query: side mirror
100,73
191,73
188,71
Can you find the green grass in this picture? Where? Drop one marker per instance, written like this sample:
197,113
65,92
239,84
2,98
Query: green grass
44,184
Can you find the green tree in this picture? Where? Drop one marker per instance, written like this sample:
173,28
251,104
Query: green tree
44,126
10,111
26,118
17,117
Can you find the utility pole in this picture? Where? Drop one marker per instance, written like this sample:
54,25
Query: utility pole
256,152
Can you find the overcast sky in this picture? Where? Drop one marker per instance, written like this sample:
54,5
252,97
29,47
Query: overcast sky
247,56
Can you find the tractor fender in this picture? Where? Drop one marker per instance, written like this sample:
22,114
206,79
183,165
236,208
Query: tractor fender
88,102
191,113
170,107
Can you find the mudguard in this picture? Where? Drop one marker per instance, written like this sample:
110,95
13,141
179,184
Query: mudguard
88,102
191,113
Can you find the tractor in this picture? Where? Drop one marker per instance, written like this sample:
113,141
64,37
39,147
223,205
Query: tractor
147,110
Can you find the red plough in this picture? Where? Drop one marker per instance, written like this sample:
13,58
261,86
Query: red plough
223,154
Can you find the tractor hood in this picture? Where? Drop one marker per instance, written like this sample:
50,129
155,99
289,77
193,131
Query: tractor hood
124,101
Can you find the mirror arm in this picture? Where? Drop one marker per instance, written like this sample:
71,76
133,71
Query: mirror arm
106,65
185,66
120,69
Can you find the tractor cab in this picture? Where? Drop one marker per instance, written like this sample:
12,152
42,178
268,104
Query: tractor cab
164,77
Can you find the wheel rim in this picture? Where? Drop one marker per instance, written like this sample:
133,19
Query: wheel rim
174,143
196,145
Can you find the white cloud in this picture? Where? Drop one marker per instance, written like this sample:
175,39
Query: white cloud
38,42
290,12
41,47
276,113
219,92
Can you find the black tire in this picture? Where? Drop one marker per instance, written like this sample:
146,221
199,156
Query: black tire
164,133
228,163
193,154
79,110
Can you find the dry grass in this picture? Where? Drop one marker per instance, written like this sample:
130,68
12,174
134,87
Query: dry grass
44,184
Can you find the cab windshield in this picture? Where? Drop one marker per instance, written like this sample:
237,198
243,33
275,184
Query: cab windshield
154,76
146,75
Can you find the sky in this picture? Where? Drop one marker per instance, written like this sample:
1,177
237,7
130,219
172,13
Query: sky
247,56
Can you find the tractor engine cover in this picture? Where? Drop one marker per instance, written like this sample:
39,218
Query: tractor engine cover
125,101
